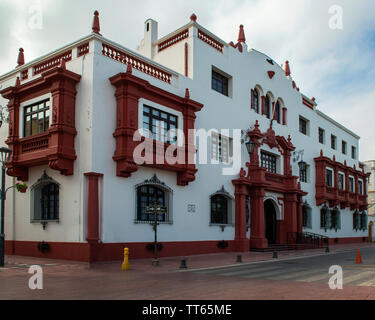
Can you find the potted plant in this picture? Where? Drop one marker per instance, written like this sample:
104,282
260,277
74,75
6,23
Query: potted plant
21,187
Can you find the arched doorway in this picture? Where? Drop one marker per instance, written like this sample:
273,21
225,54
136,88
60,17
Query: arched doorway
270,221
370,230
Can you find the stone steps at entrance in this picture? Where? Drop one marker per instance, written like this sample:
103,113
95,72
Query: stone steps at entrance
273,247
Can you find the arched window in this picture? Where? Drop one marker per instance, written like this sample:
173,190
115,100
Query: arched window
146,193
221,207
277,116
256,100
267,107
45,200
146,196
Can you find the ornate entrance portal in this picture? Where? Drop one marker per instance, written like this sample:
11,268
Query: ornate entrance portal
270,221
265,229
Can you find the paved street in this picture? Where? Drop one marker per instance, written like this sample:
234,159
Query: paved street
295,275
314,269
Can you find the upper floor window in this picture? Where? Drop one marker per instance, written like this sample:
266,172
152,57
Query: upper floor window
161,125
321,135
256,100
343,147
304,126
220,83
304,173
329,177
341,181
351,184
278,112
354,152
269,162
36,118
360,187
267,106
220,147
333,141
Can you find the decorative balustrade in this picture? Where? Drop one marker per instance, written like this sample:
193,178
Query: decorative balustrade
210,41
274,177
50,63
173,40
83,49
24,74
136,63
34,143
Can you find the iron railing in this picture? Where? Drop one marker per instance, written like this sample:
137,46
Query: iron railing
308,239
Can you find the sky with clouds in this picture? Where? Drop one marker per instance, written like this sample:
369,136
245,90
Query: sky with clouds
337,67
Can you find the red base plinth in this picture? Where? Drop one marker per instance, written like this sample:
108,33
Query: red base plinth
258,243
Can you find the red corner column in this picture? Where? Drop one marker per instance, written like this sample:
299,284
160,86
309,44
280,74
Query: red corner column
241,242
257,236
92,232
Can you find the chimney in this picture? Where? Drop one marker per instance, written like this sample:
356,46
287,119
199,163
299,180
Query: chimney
151,35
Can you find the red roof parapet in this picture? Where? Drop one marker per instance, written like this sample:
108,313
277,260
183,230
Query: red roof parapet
95,23
193,17
287,69
241,34
21,58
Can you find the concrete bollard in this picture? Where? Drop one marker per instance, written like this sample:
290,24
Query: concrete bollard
239,258
125,264
183,264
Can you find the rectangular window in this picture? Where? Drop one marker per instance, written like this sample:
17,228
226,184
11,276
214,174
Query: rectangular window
269,162
159,124
36,118
351,184
329,177
219,83
333,142
343,147
220,147
335,219
341,181
303,126
360,187
321,136
354,152
304,174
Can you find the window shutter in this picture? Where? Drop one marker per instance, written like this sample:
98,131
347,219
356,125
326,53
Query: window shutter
214,146
225,149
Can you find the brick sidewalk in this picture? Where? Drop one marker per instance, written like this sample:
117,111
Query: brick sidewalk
173,263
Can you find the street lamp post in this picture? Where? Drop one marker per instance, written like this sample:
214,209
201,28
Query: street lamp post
4,158
156,209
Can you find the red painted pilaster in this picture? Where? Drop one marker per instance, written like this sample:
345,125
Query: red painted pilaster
241,242
92,232
257,236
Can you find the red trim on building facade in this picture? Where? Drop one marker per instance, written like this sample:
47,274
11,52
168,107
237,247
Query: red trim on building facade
333,196
186,59
81,251
54,147
129,89
307,103
255,185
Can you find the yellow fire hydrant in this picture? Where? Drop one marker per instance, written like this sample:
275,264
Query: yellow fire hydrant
125,263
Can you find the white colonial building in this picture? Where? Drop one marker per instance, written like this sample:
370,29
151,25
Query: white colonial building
74,116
